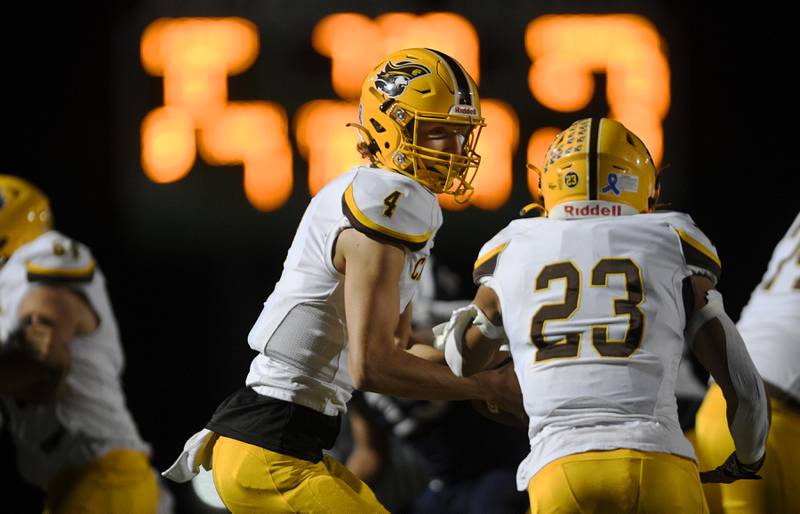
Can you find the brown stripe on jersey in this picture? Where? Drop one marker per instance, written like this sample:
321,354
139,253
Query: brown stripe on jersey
485,265
697,258
594,131
379,236
485,270
60,279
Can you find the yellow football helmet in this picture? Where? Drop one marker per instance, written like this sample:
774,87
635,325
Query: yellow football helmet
413,85
597,167
24,214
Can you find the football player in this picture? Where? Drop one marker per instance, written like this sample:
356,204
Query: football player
770,326
339,317
596,300
60,366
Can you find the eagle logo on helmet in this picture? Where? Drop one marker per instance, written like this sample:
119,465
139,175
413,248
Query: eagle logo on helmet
393,79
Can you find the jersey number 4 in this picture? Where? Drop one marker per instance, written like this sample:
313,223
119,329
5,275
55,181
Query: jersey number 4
391,203
569,344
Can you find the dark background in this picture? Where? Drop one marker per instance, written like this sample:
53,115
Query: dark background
189,264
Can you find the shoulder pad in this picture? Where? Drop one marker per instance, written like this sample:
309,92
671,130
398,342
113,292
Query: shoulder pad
698,251
490,252
391,207
54,258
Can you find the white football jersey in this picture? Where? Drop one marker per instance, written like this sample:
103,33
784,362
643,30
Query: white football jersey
594,312
91,418
770,323
301,334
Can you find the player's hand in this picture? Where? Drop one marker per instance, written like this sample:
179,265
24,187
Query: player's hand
730,471
502,391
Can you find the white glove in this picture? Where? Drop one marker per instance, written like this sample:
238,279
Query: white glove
438,336
454,337
196,452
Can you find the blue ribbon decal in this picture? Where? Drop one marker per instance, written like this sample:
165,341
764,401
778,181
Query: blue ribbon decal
612,184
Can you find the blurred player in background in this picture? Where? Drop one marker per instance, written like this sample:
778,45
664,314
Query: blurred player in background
596,301
340,316
60,366
770,327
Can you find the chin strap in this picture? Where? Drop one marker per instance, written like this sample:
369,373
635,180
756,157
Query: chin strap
369,144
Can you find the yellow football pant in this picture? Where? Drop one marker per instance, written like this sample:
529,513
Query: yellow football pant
253,480
779,490
617,481
119,482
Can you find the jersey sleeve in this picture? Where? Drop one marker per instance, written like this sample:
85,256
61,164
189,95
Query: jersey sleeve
59,260
391,207
699,253
490,253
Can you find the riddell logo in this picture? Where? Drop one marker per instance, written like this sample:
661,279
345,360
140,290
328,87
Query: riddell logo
465,109
593,210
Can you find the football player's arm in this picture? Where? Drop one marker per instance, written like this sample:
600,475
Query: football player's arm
474,334
372,272
427,352
410,340
402,334
50,317
716,342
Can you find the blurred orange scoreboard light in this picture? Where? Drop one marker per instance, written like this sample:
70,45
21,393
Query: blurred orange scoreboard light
195,57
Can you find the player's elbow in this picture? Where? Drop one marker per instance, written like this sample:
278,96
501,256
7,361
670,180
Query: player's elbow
364,373
369,372
365,378
359,377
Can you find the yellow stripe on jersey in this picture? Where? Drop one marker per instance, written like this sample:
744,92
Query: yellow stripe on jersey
489,255
698,246
364,220
61,273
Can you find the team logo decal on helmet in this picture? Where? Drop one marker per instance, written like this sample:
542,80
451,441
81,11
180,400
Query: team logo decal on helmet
394,78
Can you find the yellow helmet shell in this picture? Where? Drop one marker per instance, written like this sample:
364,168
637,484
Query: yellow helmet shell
419,84
597,167
24,214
